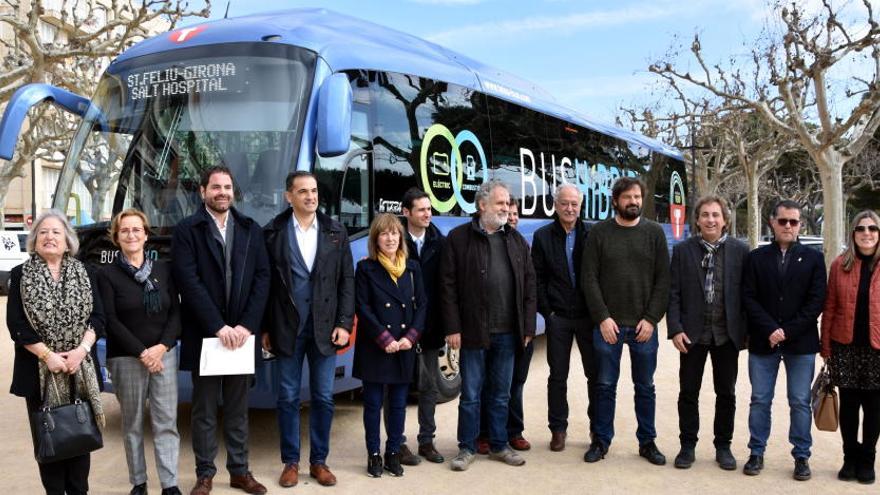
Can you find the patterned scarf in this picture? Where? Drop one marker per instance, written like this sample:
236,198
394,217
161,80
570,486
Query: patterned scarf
394,268
59,313
152,299
709,266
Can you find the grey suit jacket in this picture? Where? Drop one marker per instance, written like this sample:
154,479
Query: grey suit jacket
686,297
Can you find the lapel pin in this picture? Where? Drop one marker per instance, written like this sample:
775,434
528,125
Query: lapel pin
799,260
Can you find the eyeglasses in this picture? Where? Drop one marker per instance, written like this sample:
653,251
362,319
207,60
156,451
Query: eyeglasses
137,231
870,228
794,222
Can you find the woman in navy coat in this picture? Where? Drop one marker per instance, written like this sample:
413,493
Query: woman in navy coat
391,316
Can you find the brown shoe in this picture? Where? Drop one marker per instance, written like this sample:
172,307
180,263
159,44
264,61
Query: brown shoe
322,473
203,487
482,446
290,475
519,443
429,452
407,458
247,483
557,441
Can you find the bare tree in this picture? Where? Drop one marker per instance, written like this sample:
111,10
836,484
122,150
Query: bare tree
92,32
791,90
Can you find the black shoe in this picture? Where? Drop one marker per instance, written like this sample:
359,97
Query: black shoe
685,458
407,458
392,463
851,458
865,466
596,452
801,469
650,452
374,465
754,465
138,489
171,490
429,452
725,459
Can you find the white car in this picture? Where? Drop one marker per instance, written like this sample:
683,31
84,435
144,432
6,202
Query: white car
13,252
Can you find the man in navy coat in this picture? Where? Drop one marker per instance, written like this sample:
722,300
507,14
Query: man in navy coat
783,292
221,269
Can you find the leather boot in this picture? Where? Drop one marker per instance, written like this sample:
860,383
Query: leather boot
865,466
851,457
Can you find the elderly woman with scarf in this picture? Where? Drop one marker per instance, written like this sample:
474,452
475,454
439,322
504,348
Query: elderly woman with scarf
390,306
54,315
143,322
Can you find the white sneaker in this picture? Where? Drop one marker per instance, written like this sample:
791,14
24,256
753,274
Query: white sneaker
462,460
507,456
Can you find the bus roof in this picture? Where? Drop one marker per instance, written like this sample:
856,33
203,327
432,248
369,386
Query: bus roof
345,43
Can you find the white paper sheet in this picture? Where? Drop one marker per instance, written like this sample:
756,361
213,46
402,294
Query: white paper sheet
218,360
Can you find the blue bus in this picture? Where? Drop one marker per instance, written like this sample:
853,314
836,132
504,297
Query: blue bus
369,110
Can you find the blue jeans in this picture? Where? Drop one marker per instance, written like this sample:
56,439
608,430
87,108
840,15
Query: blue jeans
321,375
643,356
395,419
798,376
491,368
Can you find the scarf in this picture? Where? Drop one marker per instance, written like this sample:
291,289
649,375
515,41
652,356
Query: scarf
152,298
59,313
394,268
709,266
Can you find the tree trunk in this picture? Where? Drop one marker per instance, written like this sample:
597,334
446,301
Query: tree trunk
753,210
830,164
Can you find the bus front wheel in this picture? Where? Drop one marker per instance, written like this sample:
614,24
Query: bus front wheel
449,377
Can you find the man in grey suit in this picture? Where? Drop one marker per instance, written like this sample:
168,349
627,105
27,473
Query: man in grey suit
706,318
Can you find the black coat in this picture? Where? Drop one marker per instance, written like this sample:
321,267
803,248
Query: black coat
198,266
25,369
555,292
792,302
433,336
332,285
386,312
464,272
687,302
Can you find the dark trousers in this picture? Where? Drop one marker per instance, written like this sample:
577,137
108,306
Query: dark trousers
851,400
70,476
515,415
561,332
394,396
429,373
690,377
207,395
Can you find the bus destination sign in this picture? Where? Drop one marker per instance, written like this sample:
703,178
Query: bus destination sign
181,80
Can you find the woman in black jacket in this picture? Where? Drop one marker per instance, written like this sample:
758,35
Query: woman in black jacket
54,316
390,306
143,323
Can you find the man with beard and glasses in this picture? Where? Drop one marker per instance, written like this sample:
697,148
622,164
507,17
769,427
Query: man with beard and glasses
625,278
706,318
784,293
487,295
222,272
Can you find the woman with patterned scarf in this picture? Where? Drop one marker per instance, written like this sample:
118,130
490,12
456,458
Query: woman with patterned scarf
54,315
143,323
390,305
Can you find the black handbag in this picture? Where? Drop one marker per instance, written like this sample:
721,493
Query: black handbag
66,431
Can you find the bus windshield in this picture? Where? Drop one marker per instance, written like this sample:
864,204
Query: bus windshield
157,121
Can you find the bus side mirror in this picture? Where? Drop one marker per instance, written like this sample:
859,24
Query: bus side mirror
334,116
26,97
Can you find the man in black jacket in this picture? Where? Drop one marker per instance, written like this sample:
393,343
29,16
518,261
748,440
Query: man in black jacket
220,268
706,318
425,244
487,295
310,314
557,249
783,292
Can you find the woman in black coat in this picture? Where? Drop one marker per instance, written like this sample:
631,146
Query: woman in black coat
391,316
54,316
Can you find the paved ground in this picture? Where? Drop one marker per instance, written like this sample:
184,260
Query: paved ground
545,471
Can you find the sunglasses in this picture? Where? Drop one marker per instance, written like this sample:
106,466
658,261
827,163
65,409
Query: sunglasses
870,228
790,221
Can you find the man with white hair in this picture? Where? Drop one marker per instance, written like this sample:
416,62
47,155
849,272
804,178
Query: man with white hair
487,294
557,250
